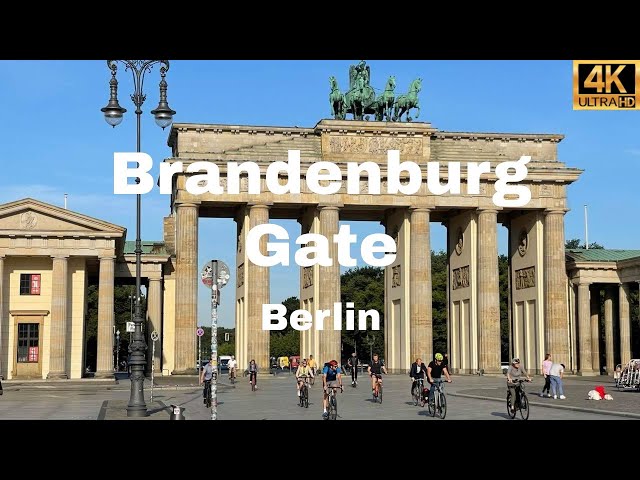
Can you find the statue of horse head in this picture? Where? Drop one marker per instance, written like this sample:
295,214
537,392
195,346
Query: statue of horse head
391,83
333,83
416,86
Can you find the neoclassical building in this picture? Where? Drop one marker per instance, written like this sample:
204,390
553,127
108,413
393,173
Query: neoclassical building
49,256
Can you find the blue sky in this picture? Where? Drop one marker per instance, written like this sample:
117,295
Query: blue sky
56,140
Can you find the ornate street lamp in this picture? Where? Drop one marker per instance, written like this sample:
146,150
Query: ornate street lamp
113,114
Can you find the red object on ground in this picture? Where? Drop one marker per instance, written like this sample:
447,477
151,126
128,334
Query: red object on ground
600,390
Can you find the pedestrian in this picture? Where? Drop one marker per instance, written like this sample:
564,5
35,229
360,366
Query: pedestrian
556,372
546,366
445,362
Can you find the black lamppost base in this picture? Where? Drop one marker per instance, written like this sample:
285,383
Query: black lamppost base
137,411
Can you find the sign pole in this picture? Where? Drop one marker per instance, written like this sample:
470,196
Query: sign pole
199,354
154,337
214,340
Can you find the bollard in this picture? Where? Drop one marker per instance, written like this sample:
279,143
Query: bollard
177,412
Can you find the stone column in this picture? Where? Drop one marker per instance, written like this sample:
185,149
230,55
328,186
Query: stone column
106,317
595,329
154,317
625,323
329,282
555,287
258,295
4,356
488,292
57,345
421,326
186,289
608,329
584,330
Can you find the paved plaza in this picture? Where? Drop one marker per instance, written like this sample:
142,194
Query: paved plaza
468,398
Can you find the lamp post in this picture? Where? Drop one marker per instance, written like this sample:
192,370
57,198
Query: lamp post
113,114
118,351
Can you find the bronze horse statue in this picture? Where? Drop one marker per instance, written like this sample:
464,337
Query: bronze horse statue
336,99
382,108
405,103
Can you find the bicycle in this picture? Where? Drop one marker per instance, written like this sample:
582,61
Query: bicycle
208,398
253,379
521,403
438,401
232,376
417,391
377,392
333,403
303,400
312,380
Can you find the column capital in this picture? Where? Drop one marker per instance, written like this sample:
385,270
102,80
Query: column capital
187,204
154,279
583,283
260,205
421,209
330,207
488,210
107,257
554,211
60,257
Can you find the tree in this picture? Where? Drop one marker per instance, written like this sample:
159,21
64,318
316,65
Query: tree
286,343
364,286
576,243
439,267
503,271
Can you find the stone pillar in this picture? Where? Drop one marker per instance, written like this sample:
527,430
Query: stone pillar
625,323
608,329
421,323
186,289
488,292
258,295
329,282
106,317
555,287
57,345
4,357
584,330
595,329
154,318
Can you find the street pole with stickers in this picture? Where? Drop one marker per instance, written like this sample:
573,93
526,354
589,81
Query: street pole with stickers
154,336
215,276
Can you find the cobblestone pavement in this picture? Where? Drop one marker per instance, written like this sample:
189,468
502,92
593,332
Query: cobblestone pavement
468,397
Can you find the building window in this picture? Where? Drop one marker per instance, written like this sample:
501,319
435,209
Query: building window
30,283
28,342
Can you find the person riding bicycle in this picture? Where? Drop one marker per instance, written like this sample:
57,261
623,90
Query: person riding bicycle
302,371
206,374
253,372
232,364
353,364
331,378
313,365
515,372
435,369
375,371
418,370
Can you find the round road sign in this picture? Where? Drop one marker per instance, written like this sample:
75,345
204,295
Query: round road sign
155,336
199,332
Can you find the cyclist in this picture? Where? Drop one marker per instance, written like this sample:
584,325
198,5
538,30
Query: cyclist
434,374
206,374
302,371
312,364
353,363
253,372
232,364
375,370
515,372
418,370
331,378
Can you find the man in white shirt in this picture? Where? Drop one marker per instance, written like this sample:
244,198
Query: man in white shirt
232,364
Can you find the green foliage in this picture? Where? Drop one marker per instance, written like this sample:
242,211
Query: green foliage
503,272
286,343
577,243
364,286
439,265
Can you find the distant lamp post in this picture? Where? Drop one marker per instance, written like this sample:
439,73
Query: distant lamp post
118,351
113,114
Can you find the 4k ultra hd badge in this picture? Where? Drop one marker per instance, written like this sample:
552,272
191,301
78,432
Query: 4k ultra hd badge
606,84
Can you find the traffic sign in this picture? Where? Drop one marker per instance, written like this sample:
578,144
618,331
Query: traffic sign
199,332
207,275
155,336
131,327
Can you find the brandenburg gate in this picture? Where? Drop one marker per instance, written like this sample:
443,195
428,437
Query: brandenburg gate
538,285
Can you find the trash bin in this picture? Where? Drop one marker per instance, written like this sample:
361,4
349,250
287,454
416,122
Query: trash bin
177,412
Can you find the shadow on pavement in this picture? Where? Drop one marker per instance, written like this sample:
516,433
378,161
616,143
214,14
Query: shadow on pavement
500,414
